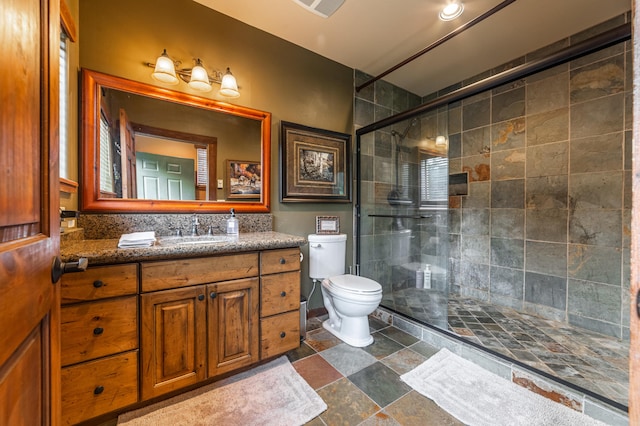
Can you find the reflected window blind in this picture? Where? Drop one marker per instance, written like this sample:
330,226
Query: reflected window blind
404,180
106,174
203,169
64,118
434,178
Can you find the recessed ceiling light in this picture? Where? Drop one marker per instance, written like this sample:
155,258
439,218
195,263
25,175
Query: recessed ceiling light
451,11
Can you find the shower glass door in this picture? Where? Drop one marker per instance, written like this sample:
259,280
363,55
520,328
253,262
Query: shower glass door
402,218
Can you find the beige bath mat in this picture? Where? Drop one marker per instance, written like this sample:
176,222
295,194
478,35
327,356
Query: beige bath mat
478,397
271,394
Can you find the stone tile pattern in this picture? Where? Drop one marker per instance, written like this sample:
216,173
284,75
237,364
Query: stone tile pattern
546,230
109,226
545,227
394,248
361,386
587,359
610,351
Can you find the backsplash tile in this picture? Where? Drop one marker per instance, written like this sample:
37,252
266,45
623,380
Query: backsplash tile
108,226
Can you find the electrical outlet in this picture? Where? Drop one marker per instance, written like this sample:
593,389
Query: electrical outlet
220,184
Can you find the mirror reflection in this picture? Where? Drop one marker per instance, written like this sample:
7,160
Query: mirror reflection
153,149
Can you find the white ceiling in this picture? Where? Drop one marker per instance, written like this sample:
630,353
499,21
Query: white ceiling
374,35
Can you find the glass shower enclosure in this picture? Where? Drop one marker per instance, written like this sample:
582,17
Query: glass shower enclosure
402,239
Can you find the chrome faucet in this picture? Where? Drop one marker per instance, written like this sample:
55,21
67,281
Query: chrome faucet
194,225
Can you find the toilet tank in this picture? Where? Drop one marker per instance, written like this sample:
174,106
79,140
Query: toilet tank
327,255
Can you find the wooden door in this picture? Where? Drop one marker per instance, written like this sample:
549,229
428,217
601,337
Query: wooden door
29,218
127,156
173,339
233,325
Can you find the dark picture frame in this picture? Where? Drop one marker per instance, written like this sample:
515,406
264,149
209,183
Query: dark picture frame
315,164
244,179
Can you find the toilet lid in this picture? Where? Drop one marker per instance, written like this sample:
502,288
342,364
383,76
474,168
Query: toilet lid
355,284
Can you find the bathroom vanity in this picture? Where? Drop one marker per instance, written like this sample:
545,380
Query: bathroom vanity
149,322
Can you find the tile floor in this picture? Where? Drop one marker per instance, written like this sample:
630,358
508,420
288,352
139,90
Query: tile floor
592,361
362,386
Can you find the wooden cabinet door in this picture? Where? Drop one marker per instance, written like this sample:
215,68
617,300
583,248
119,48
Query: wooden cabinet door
173,339
29,218
233,325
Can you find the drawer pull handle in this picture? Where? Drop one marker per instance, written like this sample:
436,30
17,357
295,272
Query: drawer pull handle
213,294
201,297
98,331
98,283
283,334
283,294
282,261
98,390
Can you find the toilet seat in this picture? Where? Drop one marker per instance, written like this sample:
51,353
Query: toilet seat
354,284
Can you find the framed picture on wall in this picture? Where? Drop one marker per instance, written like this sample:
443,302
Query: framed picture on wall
327,225
315,165
244,179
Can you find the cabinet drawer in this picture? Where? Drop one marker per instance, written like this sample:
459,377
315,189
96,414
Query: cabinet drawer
279,333
99,282
170,274
97,387
95,329
274,261
279,293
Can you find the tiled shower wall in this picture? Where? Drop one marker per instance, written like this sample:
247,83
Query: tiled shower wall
383,246
545,227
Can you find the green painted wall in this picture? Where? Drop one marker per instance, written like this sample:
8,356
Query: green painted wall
292,83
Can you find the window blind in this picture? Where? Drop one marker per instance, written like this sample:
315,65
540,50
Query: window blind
106,171
434,179
203,167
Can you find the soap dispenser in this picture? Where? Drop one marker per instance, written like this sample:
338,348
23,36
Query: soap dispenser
232,223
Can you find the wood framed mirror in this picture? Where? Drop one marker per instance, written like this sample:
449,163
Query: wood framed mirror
151,149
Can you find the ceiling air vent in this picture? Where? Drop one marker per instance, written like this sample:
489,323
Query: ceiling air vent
324,8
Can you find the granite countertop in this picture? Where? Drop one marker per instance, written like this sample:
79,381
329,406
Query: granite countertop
100,252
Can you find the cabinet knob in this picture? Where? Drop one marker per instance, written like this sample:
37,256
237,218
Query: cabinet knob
282,334
98,331
98,390
213,294
98,283
201,297
282,261
283,294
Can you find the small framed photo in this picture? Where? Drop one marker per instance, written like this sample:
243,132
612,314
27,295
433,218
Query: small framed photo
243,179
327,225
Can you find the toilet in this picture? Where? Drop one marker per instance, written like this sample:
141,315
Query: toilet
349,299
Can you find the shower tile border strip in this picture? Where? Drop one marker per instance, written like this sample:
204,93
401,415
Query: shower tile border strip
580,400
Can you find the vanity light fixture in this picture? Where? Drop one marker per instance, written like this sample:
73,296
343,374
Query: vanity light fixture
451,11
167,71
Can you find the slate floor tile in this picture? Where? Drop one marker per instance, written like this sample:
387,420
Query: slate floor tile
346,404
347,359
380,383
316,371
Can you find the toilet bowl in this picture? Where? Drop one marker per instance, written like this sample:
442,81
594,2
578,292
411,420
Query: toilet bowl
349,299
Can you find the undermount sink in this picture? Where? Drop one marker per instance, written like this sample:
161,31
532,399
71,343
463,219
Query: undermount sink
195,240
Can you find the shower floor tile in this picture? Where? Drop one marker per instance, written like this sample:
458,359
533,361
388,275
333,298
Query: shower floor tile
586,359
